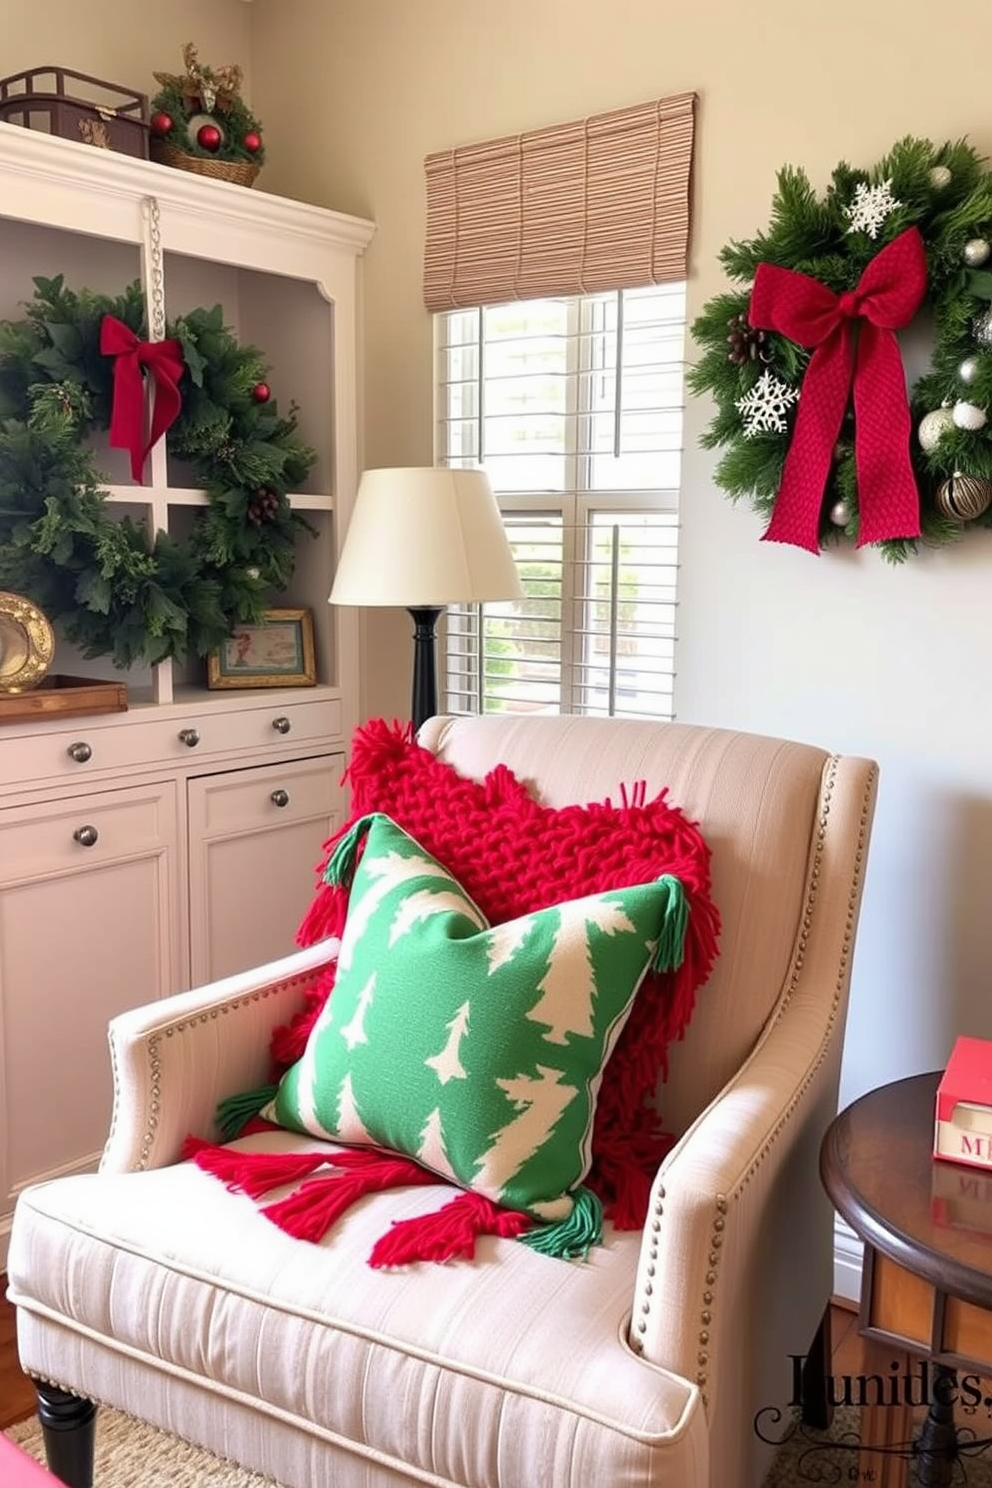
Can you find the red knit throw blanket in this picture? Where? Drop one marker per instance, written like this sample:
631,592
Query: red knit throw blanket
512,855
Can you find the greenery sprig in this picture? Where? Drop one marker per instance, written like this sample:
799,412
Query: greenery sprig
946,192
118,590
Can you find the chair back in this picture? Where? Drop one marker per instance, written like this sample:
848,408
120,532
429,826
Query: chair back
759,803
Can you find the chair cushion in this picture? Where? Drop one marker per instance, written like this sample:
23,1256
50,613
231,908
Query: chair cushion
506,1374
476,1050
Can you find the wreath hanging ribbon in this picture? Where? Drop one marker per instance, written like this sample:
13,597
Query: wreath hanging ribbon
163,360
886,298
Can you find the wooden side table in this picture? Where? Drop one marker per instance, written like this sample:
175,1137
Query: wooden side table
926,1284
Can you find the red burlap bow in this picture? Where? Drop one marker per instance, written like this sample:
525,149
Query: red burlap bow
887,297
164,362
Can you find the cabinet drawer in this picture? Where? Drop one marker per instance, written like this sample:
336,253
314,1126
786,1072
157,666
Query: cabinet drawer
66,836
140,738
271,795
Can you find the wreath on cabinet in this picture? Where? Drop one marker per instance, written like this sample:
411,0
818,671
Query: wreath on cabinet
75,366
813,414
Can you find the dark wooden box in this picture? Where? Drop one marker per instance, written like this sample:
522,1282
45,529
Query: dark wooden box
74,106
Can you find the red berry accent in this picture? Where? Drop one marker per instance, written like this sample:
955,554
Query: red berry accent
261,392
253,142
208,137
160,124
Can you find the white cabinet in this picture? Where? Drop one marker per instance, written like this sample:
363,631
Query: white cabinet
90,901
251,878
194,869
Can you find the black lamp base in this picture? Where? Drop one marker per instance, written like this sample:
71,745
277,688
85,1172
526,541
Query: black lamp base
425,620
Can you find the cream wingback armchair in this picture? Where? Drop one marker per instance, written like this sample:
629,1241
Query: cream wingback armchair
150,1287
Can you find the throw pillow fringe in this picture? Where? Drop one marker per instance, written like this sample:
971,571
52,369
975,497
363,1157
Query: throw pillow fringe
341,863
254,1173
572,1238
670,950
289,1040
315,1206
234,1113
447,1235
326,915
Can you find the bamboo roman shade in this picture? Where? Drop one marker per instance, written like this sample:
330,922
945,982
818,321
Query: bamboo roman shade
599,204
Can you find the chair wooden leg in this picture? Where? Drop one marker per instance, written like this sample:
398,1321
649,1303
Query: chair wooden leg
817,1407
68,1424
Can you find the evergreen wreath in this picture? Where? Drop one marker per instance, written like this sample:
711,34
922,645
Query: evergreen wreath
758,375
116,590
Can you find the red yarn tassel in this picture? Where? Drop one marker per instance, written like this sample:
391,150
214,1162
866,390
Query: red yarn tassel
327,913
289,1040
310,1212
254,1173
447,1234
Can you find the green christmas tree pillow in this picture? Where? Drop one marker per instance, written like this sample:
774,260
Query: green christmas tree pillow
475,1049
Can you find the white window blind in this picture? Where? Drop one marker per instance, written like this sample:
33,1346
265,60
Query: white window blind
574,408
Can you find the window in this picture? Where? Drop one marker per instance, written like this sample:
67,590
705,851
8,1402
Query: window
573,406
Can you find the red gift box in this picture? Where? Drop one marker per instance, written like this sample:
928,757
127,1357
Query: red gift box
963,1124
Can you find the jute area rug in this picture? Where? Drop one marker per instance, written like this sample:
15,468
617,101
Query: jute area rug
132,1455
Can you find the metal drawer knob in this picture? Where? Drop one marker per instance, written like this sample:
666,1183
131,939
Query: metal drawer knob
189,737
85,836
279,798
281,725
80,752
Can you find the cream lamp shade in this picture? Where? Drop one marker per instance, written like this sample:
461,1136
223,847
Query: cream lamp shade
425,537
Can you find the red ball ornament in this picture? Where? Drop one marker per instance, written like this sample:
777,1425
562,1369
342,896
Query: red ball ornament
160,124
208,137
261,392
253,142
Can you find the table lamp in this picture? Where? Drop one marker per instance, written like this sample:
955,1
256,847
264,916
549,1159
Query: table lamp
424,538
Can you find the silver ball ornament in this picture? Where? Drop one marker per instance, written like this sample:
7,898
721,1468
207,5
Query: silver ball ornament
976,252
963,497
968,416
840,513
933,427
982,328
939,176
969,369
253,573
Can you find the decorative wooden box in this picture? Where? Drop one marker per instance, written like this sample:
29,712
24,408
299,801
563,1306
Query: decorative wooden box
95,112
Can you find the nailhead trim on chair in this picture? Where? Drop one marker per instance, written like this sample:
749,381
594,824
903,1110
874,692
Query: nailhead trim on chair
719,1222
152,1045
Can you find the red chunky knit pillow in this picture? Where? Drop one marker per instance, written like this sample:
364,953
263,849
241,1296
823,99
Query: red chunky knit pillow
514,855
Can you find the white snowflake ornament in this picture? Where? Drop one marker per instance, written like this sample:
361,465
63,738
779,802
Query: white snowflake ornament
871,206
765,406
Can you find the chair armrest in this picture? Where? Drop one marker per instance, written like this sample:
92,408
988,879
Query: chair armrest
173,1060
736,1258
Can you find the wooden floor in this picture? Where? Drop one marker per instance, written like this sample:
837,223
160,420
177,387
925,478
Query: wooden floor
17,1392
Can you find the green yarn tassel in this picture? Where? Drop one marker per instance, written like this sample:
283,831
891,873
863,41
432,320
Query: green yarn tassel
574,1237
670,950
341,864
234,1113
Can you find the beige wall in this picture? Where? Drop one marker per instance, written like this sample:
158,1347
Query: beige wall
838,650
124,41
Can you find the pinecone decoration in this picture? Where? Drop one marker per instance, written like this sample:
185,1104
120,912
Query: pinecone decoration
746,344
263,506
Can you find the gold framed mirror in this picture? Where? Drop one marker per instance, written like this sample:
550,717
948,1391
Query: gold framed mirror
27,643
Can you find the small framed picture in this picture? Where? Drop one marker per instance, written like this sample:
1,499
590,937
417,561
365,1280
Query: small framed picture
276,652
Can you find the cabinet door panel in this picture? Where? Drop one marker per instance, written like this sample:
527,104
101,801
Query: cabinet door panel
252,859
84,934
